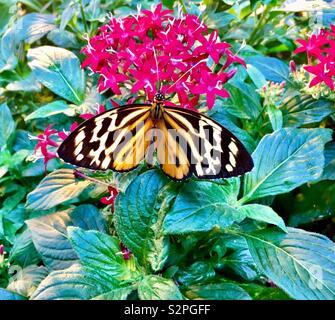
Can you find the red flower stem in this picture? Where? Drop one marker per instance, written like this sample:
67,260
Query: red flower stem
97,181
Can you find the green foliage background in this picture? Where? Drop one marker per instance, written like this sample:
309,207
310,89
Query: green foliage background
267,235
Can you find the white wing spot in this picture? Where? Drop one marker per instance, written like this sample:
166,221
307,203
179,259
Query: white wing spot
233,148
80,157
232,159
79,138
229,168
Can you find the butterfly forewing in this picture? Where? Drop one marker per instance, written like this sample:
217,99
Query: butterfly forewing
212,150
112,140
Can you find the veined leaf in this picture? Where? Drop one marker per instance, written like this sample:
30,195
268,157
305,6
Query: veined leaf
273,69
329,169
59,70
56,188
301,110
25,281
7,124
33,26
8,295
264,214
301,263
102,252
217,291
75,283
139,213
285,160
201,206
50,236
51,109
158,288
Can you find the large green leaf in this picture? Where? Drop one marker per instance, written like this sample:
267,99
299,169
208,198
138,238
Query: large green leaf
301,110
102,252
201,206
312,203
139,213
50,236
263,213
7,124
56,188
8,295
301,263
273,69
51,109
33,26
25,281
244,102
59,70
158,288
78,283
285,160
217,291
329,169
23,252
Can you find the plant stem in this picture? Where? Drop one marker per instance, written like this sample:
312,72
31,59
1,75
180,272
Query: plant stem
82,11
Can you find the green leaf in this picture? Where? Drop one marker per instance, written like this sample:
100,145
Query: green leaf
244,101
275,116
158,288
256,76
23,252
201,206
8,295
258,292
313,203
273,69
198,272
139,213
25,281
301,263
50,236
33,26
7,124
301,110
217,291
75,283
264,214
240,263
26,84
59,70
102,252
285,160
56,188
51,109
329,168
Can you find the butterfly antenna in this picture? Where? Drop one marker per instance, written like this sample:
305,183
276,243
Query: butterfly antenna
185,73
158,81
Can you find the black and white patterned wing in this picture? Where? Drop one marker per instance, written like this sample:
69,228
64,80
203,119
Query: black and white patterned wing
113,140
211,150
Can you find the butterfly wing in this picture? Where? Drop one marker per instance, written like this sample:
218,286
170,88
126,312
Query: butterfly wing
115,139
205,147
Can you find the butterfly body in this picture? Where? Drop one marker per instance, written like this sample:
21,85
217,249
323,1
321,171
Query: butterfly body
184,142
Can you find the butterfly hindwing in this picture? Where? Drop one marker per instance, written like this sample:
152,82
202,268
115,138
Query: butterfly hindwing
111,140
212,150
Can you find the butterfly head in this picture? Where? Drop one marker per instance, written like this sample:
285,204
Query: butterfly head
159,97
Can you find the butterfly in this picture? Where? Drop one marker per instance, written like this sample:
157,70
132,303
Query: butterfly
182,141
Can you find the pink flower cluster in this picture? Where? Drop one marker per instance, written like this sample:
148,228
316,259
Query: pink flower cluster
152,47
320,49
